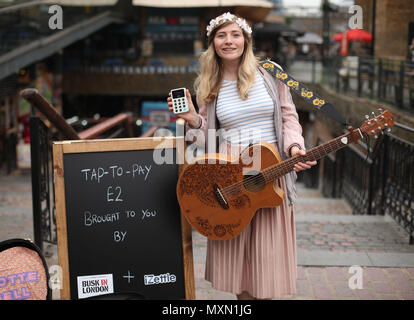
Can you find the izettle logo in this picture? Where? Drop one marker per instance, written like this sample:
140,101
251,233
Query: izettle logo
150,279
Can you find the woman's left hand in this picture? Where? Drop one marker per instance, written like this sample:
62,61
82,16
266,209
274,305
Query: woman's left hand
294,151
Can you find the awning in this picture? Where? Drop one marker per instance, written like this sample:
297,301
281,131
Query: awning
354,35
82,3
269,29
203,3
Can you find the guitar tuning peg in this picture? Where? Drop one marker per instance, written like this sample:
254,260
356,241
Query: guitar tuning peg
389,130
366,116
380,110
376,136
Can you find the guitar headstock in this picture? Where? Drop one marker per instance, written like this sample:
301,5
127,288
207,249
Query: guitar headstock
376,124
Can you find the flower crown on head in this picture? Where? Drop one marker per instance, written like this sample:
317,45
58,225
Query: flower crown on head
228,17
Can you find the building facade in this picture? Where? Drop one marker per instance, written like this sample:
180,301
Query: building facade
392,24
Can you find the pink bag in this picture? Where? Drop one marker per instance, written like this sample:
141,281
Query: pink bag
23,271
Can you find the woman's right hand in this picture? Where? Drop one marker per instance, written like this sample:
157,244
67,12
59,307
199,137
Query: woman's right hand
191,116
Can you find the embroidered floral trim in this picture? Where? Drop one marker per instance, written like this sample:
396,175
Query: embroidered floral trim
228,17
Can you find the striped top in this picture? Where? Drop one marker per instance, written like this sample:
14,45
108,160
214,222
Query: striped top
246,121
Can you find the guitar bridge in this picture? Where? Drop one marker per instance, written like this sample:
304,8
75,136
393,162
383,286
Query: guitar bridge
220,197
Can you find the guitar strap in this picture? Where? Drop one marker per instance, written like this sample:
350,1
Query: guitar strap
303,91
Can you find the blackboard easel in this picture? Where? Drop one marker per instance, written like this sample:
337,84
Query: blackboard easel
117,216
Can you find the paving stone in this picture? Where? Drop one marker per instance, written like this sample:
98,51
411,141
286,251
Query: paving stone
317,278
343,291
392,259
367,294
303,288
407,296
389,297
406,286
199,270
397,273
301,275
336,274
375,274
383,287
411,273
323,292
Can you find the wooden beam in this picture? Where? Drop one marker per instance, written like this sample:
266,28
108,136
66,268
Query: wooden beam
37,101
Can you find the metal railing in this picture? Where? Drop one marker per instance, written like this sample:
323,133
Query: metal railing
44,218
394,193
139,69
374,184
387,80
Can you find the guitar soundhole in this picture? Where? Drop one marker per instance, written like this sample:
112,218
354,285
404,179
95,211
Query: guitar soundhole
254,181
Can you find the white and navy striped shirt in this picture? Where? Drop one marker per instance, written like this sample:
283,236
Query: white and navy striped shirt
246,121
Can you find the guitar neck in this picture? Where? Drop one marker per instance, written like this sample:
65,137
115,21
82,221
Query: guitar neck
274,172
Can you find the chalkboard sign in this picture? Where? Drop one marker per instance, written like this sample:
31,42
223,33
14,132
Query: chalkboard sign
118,220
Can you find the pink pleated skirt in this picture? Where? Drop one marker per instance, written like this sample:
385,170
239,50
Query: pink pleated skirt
261,260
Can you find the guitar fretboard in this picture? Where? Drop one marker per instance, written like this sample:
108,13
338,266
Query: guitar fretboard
274,172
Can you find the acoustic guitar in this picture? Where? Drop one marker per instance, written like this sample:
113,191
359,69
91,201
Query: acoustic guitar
219,195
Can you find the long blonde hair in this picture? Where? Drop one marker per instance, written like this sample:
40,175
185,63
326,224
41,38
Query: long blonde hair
208,82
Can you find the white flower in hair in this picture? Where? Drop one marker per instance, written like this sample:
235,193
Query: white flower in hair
243,24
228,17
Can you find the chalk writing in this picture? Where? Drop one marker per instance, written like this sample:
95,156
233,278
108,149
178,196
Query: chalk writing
148,214
119,236
115,171
129,277
110,193
90,219
130,213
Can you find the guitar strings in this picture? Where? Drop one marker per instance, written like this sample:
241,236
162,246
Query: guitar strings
277,169
254,179
287,165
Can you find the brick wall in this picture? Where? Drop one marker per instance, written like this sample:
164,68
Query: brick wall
392,27
391,24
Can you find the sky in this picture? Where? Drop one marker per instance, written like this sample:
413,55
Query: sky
301,7
315,3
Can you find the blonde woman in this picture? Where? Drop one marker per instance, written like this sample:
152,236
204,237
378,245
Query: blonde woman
238,96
